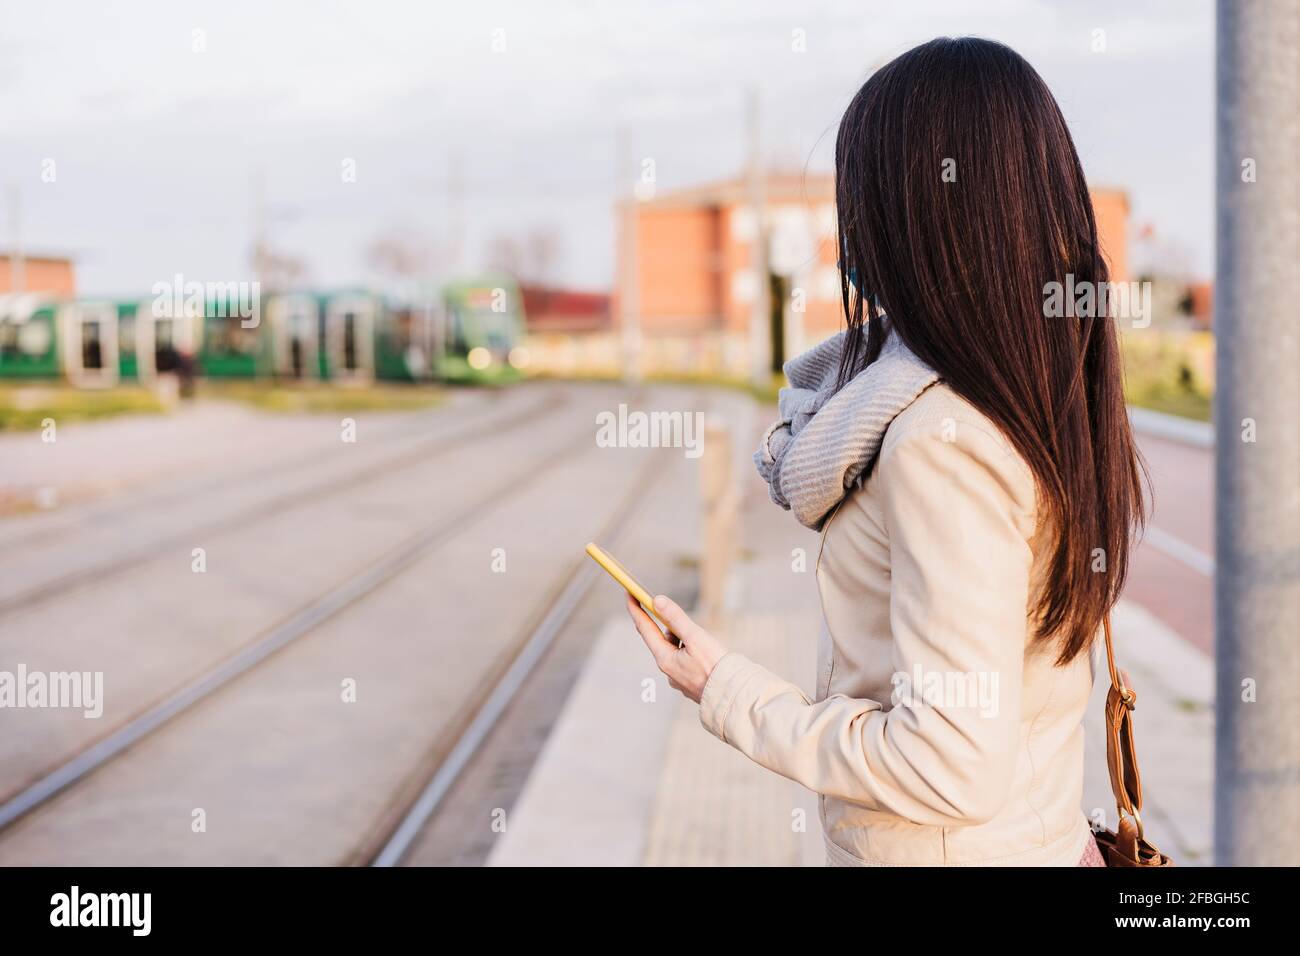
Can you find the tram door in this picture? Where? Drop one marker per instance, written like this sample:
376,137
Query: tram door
350,338
163,342
90,331
296,320
165,356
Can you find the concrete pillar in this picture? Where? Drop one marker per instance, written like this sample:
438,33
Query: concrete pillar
1257,418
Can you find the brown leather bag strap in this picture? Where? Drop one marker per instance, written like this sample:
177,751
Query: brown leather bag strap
1121,757
1126,844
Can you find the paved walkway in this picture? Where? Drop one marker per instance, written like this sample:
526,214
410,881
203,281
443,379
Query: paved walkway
714,806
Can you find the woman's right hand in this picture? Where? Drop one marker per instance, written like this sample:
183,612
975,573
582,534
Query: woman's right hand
687,667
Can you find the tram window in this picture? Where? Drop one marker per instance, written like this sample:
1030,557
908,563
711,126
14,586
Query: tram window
458,331
302,325
244,340
165,356
92,350
227,336
349,340
25,338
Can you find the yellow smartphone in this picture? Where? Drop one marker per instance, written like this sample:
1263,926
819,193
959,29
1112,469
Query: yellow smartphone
630,584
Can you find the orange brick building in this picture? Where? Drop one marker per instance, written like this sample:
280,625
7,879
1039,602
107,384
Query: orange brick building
1110,206
45,274
689,277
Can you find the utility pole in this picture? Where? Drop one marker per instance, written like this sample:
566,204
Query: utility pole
257,183
454,255
455,211
628,275
760,321
1257,428
431,339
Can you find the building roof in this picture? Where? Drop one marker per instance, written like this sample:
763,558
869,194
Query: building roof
792,186
37,256
565,310
778,186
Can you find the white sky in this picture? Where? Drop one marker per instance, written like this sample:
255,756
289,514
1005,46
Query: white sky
155,145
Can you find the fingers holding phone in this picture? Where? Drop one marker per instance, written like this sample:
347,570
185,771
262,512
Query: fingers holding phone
687,667
687,652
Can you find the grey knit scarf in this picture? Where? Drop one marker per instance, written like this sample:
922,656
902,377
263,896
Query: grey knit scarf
828,438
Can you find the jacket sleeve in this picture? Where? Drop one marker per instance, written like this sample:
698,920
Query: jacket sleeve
958,515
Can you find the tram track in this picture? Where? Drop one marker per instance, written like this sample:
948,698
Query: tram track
301,622
394,838
116,510
493,681
478,429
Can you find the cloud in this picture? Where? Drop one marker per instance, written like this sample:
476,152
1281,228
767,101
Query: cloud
157,143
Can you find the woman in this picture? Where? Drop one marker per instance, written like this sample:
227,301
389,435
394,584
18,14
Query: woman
968,462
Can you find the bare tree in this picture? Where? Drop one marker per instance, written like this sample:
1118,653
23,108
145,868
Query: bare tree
276,269
504,254
531,259
544,247
402,253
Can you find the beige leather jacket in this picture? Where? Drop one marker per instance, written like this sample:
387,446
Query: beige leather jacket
941,732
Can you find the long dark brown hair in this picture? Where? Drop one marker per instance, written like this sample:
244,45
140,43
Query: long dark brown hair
960,197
